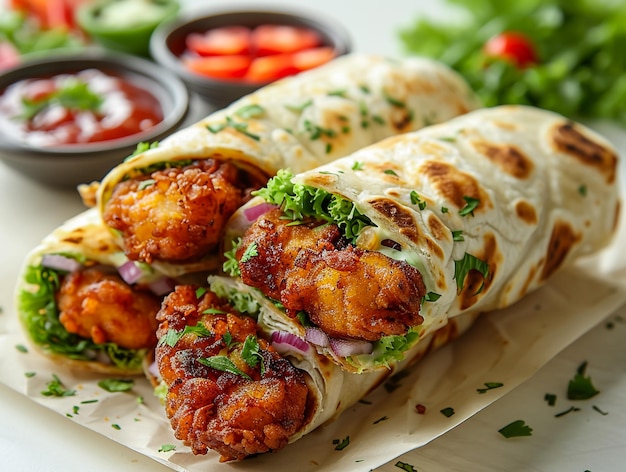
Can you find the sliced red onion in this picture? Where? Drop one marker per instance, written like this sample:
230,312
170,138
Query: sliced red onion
59,262
283,341
316,336
130,272
162,286
252,213
153,369
350,347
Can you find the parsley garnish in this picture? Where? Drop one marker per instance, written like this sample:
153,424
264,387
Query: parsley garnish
596,408
57,389
516,429
405,466
470,205
394,102
116,426
341,445
580,387
390,172
569,410
357,166
463,267
223,364
250,252
21,348
458,235
447,412
172,336
167,448
251,353
116,385
432,297
200,291
489,386
73,95
416,200
550,398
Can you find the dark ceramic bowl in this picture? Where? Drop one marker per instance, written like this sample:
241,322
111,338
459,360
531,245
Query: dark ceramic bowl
168,44
70,165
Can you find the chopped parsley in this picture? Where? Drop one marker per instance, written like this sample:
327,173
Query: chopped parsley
116,385
223,364
340,445
251,353
167,448
73,95
463,267
458,235
172,336
596,408
470,205
516,429
405,466
55,388
29,375
581,387
569,410
489,386
550,398
21,348
390,172
357,166
250,252
432,297
447,412
116,426
416,200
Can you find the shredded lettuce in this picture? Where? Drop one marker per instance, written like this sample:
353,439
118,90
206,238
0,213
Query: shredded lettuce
386,350
40,316
299,201
240,301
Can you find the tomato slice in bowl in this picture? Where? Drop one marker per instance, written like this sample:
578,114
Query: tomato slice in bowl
268,68
313,57
226,40
219,67
279,39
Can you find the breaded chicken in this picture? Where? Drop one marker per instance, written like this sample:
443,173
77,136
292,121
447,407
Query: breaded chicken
102,307
177,214
240,410
346,291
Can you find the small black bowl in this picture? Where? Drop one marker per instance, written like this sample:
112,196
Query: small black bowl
168,44
70,165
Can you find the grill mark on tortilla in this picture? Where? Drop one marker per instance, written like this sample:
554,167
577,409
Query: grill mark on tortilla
454,184
507,157
568,139
562,240
526,212
399,215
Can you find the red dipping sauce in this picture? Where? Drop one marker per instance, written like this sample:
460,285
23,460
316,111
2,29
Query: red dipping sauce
89,106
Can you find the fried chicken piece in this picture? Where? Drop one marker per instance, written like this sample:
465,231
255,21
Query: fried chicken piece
177,214
236,414
346,291
102,307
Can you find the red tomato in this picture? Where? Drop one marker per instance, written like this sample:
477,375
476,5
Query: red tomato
512,46
220,41
310,58
277,39
267,68
220,67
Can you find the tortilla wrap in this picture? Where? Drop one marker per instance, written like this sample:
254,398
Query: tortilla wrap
304,121
486,206
80,243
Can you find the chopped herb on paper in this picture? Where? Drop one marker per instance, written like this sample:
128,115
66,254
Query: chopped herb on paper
167,448
447,412
21,348
516,429
603,413
224,364
405,466
116,385
55,388
550,398
381,419
580,387
489,386
565,412
340,445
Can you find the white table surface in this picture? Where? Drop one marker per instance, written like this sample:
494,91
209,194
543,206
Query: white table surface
33,438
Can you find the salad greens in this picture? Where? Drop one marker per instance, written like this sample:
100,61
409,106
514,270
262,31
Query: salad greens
579,44
41,318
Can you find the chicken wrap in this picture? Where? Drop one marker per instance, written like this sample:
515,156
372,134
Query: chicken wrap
167,205
83,304
364,257
229,386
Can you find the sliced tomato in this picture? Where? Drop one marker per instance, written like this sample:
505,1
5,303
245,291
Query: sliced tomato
226,40
219,67
269,68
310,58
278,39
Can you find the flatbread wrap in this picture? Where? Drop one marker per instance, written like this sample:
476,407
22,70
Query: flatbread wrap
228,386
365,256
83,304
168,204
